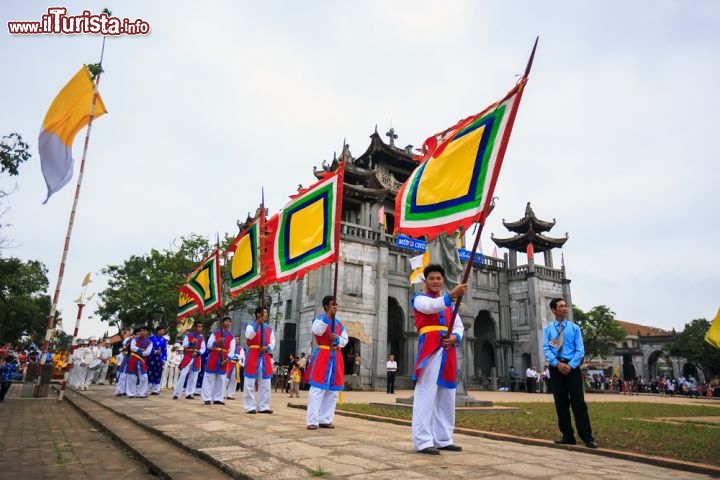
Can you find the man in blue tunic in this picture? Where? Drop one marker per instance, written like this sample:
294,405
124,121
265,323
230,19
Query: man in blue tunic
157,359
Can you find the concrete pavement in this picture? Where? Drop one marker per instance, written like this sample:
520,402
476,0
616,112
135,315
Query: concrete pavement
278,446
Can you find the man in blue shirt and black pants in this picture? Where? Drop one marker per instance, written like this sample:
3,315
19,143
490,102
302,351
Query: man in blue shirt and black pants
564,352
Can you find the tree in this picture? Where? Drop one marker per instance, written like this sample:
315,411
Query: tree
600,330
144,289
13,152
691,344
23,300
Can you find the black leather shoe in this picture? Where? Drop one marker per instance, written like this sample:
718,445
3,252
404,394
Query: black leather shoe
218,403
451,448
175,397
207,402
430,451
252,412
565,441
265,411
189,397
591,444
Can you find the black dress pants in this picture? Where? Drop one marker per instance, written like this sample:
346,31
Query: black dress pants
390,382
569,393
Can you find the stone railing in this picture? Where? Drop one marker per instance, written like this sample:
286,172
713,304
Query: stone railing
547,272
354,231
518,272
540,271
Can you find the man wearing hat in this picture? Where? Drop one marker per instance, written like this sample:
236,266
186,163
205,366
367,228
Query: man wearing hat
258,365
104,354
170,370
90,354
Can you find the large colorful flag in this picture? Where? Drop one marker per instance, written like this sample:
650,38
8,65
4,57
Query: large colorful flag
712,336
247,265
203,285
453,186
305,234
68,114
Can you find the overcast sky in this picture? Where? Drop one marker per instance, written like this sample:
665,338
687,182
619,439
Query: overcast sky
616,137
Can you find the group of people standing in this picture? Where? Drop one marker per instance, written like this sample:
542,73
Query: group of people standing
440,331
90,363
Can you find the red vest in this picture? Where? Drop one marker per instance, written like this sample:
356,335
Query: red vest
255,364
326,369
430,340
136,364
194,344
219,352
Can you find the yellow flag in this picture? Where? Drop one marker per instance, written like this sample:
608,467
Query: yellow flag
713,334
418,264
68,114
86,280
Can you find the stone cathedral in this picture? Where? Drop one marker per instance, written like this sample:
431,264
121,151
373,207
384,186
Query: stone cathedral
504,311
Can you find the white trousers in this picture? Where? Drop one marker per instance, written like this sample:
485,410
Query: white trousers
321,406
120,386
213,387
102,374
263,397
169,375
231,386
89,375
191,381
433,415
135,390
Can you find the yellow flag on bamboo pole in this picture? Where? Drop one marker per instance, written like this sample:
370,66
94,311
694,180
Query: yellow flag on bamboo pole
713,334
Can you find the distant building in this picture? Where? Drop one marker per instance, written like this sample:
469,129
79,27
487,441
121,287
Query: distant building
644,353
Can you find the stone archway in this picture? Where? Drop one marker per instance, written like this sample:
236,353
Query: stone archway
659,364
484,332
395,333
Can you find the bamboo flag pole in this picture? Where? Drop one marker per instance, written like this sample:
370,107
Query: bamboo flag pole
71,221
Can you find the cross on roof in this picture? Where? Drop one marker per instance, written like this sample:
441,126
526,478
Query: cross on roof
391,135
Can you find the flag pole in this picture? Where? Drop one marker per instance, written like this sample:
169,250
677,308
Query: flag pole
341,179
484,214
71,221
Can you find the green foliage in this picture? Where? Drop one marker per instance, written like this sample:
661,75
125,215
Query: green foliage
13,152
24,304
600,330
691,344
144,289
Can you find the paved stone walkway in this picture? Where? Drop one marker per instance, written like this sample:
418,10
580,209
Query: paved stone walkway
279,446
41,438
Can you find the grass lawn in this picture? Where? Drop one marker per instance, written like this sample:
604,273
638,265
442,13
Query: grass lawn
633,427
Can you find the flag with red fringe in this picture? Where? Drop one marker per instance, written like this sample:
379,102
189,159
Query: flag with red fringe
203,285
305,234
247,266
454,183
186,305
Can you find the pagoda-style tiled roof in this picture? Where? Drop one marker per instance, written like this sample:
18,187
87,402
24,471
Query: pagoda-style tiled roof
519,243
643,330
529,221
529,230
